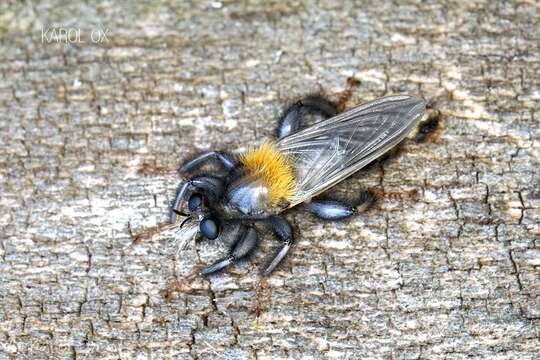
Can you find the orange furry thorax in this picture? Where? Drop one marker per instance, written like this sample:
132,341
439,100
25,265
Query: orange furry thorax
273,168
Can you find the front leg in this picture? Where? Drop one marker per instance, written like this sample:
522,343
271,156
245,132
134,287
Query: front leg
291,119
283,231
244,246
226,160
211,187
337,210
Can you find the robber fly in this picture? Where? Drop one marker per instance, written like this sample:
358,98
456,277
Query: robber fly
258,185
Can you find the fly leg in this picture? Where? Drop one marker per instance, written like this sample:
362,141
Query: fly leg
181,195
244,246
226,160
337,210
291,119
211,186
283,231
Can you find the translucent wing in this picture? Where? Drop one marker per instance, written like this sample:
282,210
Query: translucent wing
331,150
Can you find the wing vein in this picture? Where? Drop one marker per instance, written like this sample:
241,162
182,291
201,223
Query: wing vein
329,151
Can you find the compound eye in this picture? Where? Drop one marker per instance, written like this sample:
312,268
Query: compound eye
195,202
209,228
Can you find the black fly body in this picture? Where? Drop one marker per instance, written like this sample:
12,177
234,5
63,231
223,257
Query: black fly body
260,184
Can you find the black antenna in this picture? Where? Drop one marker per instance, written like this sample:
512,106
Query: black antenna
179,213
185,221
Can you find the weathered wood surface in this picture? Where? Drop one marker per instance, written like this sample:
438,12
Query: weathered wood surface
452,272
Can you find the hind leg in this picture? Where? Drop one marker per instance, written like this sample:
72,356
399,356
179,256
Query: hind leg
337,210
291,119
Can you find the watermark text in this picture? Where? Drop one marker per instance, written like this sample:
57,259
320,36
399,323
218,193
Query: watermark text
70,35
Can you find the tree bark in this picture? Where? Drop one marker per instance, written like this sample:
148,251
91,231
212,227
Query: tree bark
445,265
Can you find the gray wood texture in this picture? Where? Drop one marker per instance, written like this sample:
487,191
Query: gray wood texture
445,266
